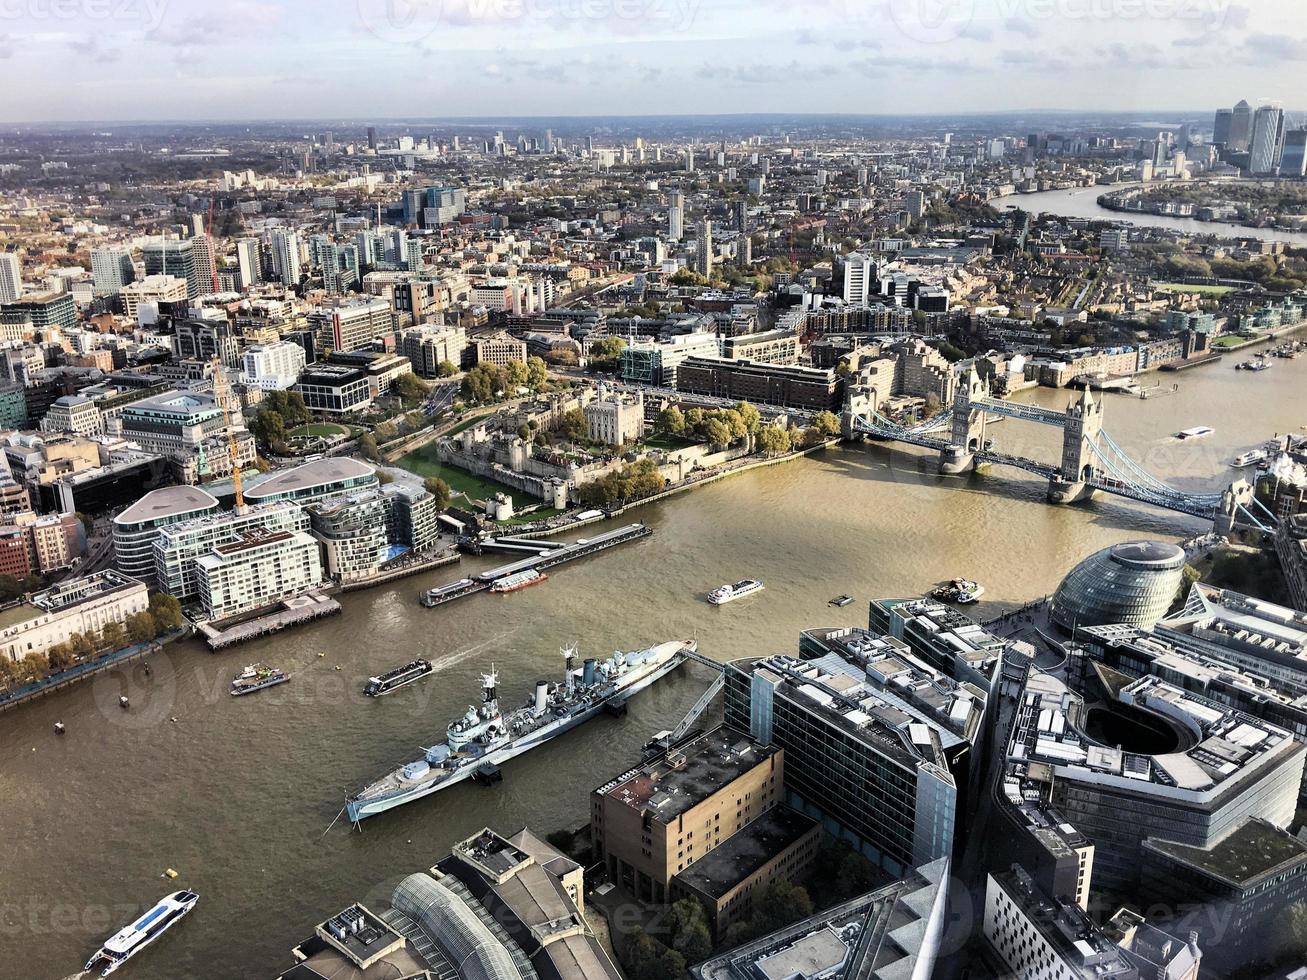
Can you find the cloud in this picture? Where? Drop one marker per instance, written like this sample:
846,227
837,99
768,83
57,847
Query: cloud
976,32
6,47
90,49
883,64
1274,47
764,74
1019,25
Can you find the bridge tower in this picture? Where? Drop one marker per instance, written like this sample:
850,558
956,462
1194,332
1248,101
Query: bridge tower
968,437
1080,430
1240,494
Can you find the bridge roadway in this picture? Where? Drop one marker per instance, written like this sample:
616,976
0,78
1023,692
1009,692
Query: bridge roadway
1204,506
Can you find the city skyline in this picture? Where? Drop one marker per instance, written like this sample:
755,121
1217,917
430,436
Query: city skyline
157,60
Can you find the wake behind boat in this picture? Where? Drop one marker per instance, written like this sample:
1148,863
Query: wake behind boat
130,940
486,737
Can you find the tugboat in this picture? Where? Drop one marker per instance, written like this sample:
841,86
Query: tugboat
960,590
729,593
256,677
393,680
130,940
59,728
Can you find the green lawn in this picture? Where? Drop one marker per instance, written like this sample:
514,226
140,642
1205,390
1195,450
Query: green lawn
423,462
1180,287
1229,341
543,514
669,443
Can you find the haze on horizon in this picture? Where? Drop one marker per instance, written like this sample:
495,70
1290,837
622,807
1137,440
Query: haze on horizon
384,59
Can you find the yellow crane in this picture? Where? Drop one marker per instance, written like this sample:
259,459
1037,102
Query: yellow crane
219,385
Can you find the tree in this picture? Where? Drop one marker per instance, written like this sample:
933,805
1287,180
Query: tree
10,588
368,447
572,425
141,627
439,489
648,959
751,416
384,477
605,353
933,404
537,371
686,277
670,421
88,522
1188,576
688,928
166,611
113,636
82,644
781,903
1289,934
446,369
717,433
516,374
409,389
827,423
269,427
36,665
773,440
59,657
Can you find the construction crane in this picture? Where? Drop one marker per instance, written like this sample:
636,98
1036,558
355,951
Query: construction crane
220,383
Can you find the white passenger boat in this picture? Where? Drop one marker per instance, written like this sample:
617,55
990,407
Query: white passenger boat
129,941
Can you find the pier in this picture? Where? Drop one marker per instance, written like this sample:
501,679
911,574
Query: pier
546,554
293,612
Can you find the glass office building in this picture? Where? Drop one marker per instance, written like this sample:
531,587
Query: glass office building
1133,583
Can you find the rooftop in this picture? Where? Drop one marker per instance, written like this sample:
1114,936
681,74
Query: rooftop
747,850
167,502
310,476
688,774
1248,853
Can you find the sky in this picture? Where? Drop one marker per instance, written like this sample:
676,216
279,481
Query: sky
64,60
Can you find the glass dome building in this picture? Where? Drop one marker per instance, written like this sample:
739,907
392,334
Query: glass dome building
1132,583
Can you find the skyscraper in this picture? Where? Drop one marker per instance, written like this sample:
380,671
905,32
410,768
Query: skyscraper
111,268
1221,128
175,258
705,253
372,137
206,265
676,216
1267,143
1293,162
1241,127
248,262
11,277
285,247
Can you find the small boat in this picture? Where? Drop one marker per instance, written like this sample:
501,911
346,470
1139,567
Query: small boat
518,580
738,590
256,677
840,600
961,590
1250,458
393,680
130,940
1197,432
123,702
59,728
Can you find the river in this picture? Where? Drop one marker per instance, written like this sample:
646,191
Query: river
1082,202
238,794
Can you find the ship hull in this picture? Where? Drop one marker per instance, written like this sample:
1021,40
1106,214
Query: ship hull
362,809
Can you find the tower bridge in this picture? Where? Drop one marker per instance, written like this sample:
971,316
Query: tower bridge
1091,461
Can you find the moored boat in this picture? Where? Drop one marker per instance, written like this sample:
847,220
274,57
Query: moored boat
485,736
518,580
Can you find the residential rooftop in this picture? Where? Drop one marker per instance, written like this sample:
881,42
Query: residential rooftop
167,502
310,476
